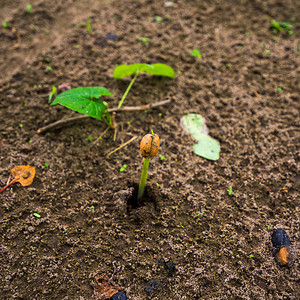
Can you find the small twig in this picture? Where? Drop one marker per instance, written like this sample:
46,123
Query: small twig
123,145
14,30
101,135
114,109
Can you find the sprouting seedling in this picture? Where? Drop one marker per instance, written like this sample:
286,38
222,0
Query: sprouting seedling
196,53
22,174
281,26
86,100
88,25
144,40
127,70
52,93
148,148
29,8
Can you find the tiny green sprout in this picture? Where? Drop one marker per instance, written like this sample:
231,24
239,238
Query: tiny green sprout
180,224
25,104
268,51
52,93
281,27
77,46
251,255
196,53
200,214
145,111
21,125
228,66
35,27
47,59
179,73
240,46
144,40
157,183
47,31
46,165
247,34
90,138
65,229
158,19
148,148
123,168
5,24
268,227
128,122
36,215
30,142
160,114
162,157
35,86
92,208
88,25
230,191
29,8
279,89
48,68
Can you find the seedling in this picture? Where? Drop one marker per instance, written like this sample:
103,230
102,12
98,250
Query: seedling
158,19
148,148
86,100
123,168
36,215
196,53
5,24
53,93
230,191
127,70
144,40
29,8
88,25
281,26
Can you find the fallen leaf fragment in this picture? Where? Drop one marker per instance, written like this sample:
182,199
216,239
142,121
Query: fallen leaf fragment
22,174
105,288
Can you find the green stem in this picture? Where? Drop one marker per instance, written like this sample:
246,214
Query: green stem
143,178
128,89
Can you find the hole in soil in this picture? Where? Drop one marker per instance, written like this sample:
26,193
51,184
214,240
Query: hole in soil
149,197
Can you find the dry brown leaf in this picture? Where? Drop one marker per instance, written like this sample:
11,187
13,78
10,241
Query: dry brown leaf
106,288
22,174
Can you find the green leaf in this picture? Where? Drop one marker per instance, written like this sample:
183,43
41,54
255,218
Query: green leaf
206,147
196,53
84,100
154,69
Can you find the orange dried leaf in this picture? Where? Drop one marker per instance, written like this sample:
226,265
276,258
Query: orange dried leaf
105,288
23,174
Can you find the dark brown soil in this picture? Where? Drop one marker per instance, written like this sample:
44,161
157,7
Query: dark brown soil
88,224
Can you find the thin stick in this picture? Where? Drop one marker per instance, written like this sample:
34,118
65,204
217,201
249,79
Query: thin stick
101,135
128,88
123,145
114,109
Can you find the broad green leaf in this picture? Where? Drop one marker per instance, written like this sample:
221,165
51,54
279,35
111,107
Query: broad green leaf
84,100
206,147
154,69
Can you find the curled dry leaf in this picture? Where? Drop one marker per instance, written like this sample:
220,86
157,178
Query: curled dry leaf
105,288
22,174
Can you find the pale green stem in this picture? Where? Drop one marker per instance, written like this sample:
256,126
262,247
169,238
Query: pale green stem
128,89
143,178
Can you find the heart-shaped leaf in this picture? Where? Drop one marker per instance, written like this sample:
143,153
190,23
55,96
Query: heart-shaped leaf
84,100
206,147
154,69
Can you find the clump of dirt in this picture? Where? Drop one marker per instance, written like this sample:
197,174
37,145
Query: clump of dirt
213,245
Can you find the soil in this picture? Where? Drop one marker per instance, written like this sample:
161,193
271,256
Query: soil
246,86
